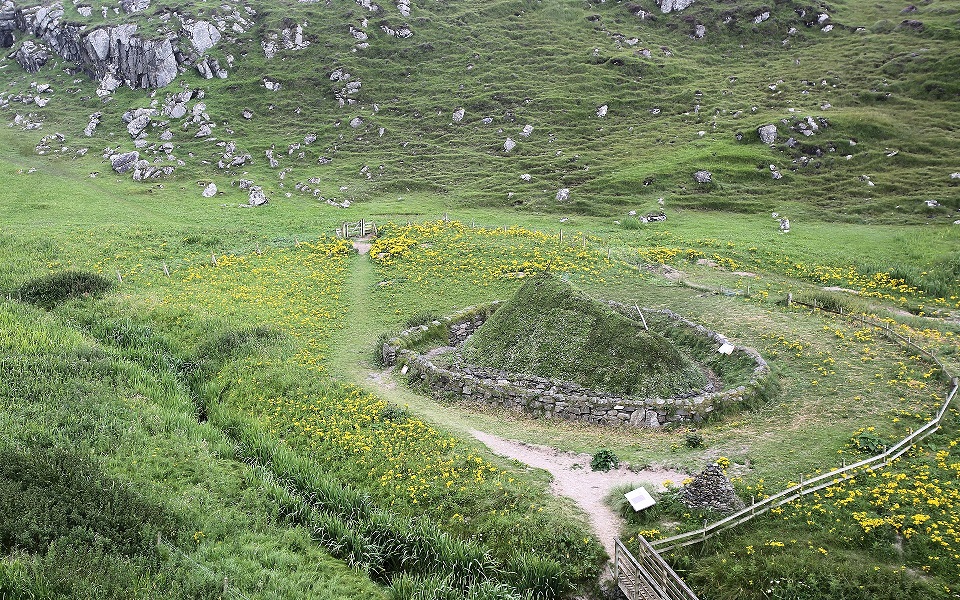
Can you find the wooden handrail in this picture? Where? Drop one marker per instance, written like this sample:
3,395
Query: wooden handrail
807,487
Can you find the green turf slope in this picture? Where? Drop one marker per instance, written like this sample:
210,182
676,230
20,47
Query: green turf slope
551,329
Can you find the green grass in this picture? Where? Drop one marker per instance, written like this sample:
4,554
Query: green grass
552,330
147,387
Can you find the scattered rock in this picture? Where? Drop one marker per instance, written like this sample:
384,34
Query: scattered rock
526,177
123,162
768,134
672,5
132,6
203,36
31,56
92,125
602,111
459,114
526,131
138,125
209,67
563,194
210,191
703,177
509,144
257,197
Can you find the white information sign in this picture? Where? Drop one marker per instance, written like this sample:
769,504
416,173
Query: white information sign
640,499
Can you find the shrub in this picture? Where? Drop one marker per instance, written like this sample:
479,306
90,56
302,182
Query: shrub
694,440
48,496
604,460
867,441
50,290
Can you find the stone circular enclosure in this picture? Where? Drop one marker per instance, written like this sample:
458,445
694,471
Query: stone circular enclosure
561,399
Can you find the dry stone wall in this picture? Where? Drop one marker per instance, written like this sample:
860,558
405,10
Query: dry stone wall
544,397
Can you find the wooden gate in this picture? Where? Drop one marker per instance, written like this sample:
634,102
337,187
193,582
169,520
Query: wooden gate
361,228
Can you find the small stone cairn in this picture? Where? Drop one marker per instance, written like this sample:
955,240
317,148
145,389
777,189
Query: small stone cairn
711,489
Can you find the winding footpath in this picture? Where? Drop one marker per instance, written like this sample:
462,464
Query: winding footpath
571,473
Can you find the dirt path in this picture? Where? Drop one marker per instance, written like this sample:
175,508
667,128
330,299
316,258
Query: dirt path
362,245
571,472
573,478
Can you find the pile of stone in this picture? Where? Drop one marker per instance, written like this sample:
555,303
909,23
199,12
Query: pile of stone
350,88
712,490
289,38
231,158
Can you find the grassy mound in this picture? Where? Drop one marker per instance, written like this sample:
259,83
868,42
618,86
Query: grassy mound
553,330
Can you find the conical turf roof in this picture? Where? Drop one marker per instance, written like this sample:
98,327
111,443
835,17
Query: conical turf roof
551,329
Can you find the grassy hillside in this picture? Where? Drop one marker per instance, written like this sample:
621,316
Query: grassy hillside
879,93
218,391
552,330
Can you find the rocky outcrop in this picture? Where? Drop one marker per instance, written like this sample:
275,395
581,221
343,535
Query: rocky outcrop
31,56
125,161
673,5
132,6
768,134
8,24
111,51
